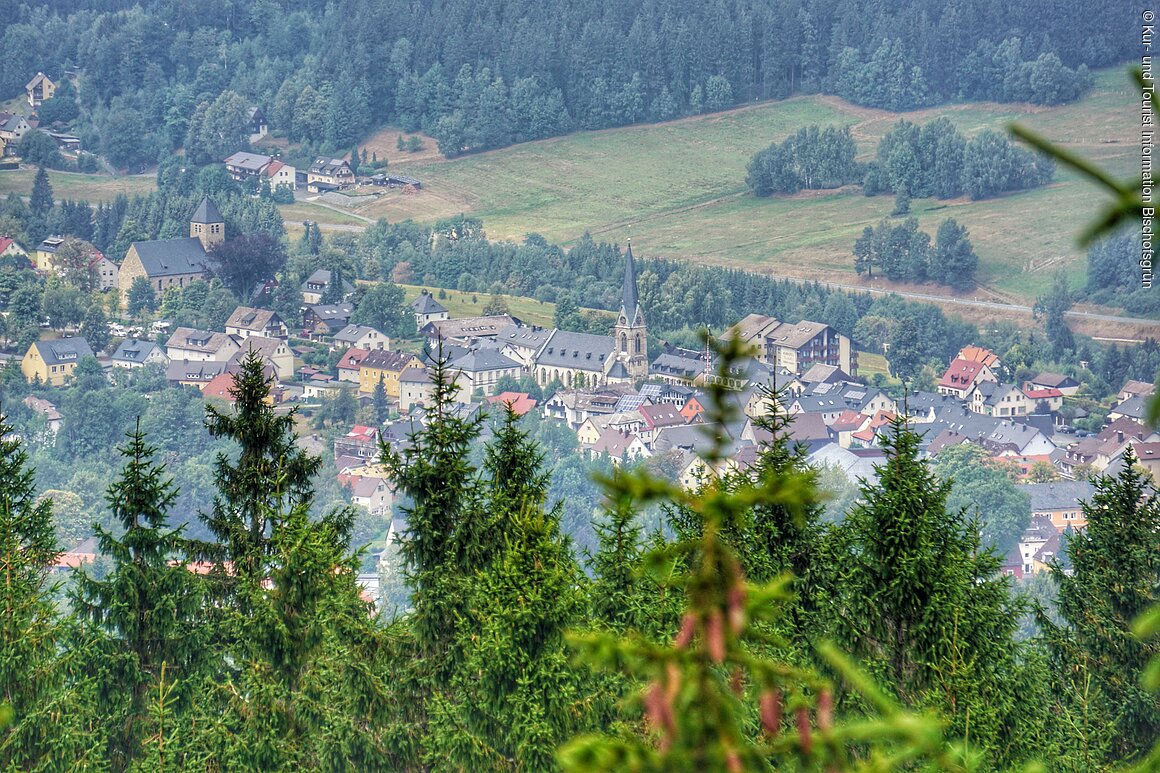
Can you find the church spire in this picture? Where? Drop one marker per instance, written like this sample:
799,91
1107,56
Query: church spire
629,301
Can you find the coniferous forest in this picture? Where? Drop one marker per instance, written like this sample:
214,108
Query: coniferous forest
160,75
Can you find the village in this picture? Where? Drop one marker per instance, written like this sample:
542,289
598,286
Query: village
623,403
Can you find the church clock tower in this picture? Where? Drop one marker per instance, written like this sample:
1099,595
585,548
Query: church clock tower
630,331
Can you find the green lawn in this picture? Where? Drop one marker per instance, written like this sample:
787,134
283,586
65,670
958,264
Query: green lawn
678,189
72,185
458,304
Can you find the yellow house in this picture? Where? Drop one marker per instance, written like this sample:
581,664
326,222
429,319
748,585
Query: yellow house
44,259
388,366
53,362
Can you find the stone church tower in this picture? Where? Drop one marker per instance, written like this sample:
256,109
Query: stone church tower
630,331
207,225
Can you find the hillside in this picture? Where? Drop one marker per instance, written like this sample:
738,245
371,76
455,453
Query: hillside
678,189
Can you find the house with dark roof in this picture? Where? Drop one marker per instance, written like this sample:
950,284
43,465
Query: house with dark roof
521,342
329,174
361,337
246,321
427,309
194,372
136,353
481,369
386,366
317,284
166,263
991,398
576,359
326,319
1060,502
1065,384
1135,407
53,362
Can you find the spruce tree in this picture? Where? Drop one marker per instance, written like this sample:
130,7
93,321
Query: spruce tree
147,607
1114,577
442,544
41,200
270,475
31,667
379,401
513,696
922,603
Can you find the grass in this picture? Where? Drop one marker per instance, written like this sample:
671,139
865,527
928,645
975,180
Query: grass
460,304
73,185
678,189
870,363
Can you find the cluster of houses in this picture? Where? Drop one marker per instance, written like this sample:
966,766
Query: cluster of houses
621,403
14,126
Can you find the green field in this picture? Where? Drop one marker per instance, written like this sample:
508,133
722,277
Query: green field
678,189
529,310
73,185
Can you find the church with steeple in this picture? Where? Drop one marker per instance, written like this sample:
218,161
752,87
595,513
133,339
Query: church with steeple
631,332
587,360
166,263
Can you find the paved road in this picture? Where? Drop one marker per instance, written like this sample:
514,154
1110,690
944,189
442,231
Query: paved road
993,305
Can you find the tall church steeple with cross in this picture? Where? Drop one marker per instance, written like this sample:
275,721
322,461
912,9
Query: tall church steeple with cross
631,332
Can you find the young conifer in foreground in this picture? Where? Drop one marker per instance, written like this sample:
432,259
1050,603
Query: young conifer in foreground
41,727
146,611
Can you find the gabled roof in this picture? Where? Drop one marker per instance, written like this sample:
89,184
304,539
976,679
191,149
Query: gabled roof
1060,495
1054,380
246,318
353,358
426,304
219,386
820,373
1135,407
468,327
383,359
1134,387
171,257
332,311
206,213
353,333
482,361
661,415
581,351
202,370
63,350
134,350
36,81
961,374
251,162
208,341
523,337
520,402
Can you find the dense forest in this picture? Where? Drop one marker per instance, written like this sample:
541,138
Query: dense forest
748,634
157,75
